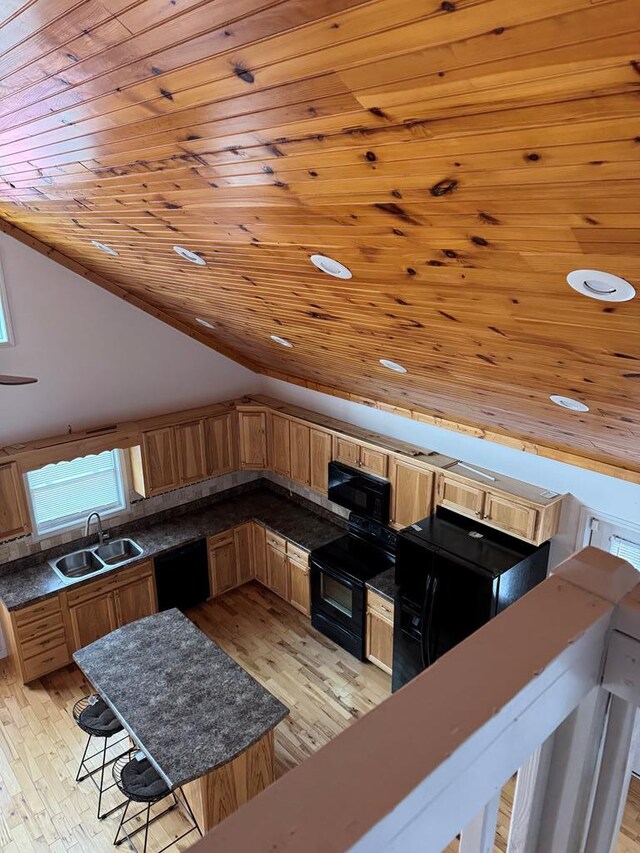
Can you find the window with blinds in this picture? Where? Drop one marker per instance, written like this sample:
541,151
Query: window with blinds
63,494
5,337
626,550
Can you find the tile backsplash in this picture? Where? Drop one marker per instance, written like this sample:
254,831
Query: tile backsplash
26,546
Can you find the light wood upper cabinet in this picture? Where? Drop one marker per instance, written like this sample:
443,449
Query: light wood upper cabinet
14,515
159,461
190,444
357,455
253,440
279,445
320,456
411,492
219,445
223,567
515,518
243,540
460,496
300,453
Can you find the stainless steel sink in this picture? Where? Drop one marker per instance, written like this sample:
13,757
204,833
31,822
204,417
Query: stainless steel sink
118,551
94,561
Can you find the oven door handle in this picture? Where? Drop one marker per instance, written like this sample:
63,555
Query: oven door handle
325,570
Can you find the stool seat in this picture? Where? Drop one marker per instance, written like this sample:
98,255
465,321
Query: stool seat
95,717
140,781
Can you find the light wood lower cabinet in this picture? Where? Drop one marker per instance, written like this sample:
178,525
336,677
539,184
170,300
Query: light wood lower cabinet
36,638
379,627
14,515
299,591
411,493
97,608
223,566
277,571
259,552
243,541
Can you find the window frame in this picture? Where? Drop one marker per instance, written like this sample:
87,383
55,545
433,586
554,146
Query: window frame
4,309
621,527
77,522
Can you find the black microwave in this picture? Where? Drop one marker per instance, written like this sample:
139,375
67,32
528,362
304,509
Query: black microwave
362,493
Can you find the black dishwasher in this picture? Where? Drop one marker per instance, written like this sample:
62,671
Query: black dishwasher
182,576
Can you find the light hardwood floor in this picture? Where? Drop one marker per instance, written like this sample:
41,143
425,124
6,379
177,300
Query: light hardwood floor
43,809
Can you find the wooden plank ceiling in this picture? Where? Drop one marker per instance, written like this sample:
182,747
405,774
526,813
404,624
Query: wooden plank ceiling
460,157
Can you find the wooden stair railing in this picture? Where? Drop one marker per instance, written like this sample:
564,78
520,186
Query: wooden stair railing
549,689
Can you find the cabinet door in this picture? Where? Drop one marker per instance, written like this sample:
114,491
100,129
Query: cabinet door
278,572
515,518
346,451
411,493
190,452
320,456
279,445
160,462
242,536
459,496
14,516
223,571
219,448
260,552
135,600
374,461
92,619
253,440
379,642
299,593
300,453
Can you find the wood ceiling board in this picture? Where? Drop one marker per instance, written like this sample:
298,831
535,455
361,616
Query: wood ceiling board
331,127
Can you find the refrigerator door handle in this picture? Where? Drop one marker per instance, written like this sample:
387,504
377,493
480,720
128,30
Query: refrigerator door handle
431,653
424,645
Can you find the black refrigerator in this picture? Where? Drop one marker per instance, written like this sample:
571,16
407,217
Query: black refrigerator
453,574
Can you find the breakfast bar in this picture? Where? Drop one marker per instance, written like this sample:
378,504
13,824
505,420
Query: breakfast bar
202,721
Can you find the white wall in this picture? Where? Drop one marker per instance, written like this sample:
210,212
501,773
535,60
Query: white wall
605,494
97,358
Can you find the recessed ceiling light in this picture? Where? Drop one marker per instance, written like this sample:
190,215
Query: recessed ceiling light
205,323
568,403
601,285
103,247
188,255
392,365
282,341
331,267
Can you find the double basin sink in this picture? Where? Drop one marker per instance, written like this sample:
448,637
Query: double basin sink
93,561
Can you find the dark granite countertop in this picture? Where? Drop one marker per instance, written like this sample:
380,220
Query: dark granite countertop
384,584
31,579
183,700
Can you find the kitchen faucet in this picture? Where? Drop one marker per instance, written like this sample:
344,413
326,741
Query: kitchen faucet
101,535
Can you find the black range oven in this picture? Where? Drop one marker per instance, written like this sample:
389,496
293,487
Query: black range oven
339,572
363,494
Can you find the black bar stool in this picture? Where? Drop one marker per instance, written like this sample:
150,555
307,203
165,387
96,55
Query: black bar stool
140,782
94,717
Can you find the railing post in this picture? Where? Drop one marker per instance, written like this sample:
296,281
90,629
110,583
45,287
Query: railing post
479,835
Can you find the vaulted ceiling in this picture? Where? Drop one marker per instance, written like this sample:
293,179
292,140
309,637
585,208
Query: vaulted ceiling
460,157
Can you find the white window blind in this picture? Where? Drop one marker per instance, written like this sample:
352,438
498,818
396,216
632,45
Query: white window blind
626,550
63,494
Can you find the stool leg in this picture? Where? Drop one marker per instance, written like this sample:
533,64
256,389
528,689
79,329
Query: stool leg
117,843
84,755
146,829
104,761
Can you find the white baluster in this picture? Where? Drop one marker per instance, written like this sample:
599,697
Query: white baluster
479,835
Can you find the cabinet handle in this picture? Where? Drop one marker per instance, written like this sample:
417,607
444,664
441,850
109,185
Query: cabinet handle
486,516
478,513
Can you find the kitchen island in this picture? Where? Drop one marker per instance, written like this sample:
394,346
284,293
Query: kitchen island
203,722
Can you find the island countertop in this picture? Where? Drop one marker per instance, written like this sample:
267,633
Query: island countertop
183,700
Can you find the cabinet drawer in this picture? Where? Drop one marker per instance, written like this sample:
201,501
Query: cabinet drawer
48,624
225,538
297,554
277,542
42,609
379,605
132,573
46,661
90,590
37,645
